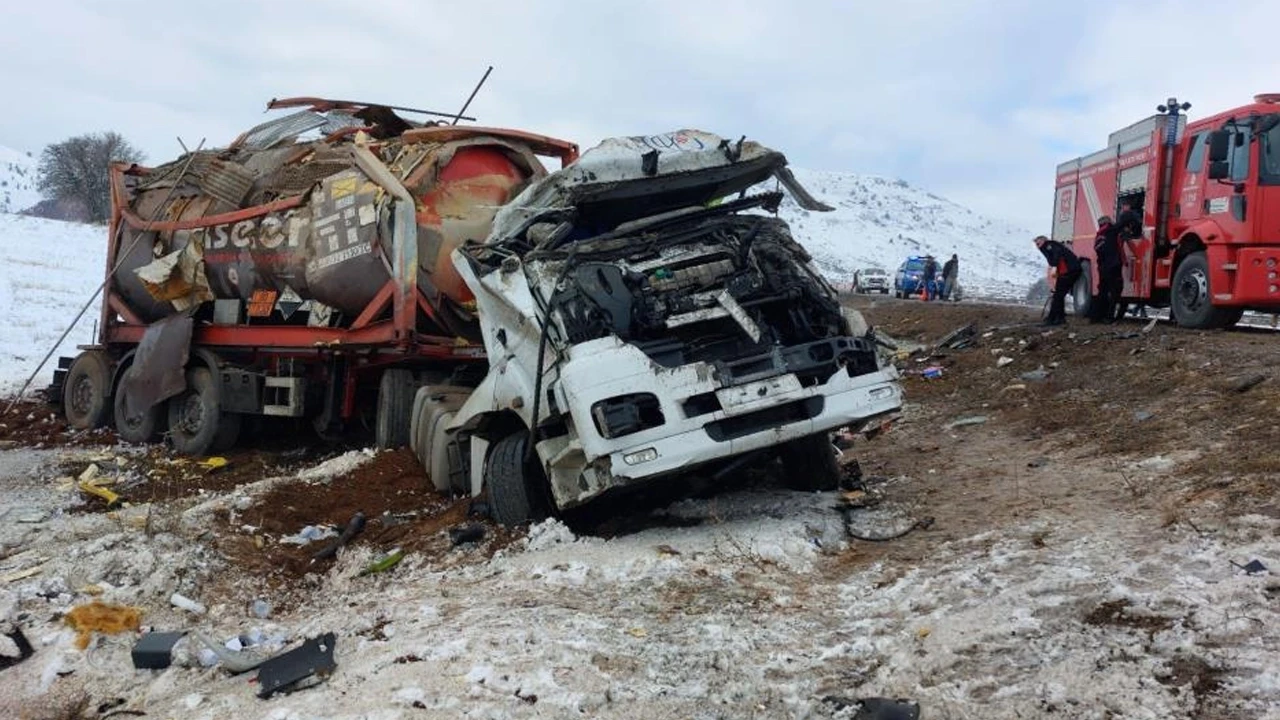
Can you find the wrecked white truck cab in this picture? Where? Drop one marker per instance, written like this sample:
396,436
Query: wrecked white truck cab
644,315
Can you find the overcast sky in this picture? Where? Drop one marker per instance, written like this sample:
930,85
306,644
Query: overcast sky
976,100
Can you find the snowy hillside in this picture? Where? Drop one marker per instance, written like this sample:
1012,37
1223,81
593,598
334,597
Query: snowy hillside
48,269
17,181
878,222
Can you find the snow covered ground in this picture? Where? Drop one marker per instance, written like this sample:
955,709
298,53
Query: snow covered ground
765,610
18,189
879,222
48,270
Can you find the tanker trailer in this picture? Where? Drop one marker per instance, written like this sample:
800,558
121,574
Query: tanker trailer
302,271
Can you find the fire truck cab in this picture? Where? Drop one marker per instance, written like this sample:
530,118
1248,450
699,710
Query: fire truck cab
1209,196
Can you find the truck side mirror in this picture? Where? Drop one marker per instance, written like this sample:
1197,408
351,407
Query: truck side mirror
1218,171
1219,146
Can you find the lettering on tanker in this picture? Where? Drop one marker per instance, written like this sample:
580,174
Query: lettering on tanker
673,141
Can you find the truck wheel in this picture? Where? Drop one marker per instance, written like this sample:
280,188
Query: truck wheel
1191,302
195,417
1082,292
395,408
86,389
810,464
141,428
517,488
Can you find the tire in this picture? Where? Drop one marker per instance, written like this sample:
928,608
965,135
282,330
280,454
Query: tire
196,419
142,428
518,490
395,408
1082,292
810,464
1190,300
86,391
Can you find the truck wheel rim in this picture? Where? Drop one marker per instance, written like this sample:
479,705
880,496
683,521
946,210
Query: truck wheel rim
1193,291
82,395
192,415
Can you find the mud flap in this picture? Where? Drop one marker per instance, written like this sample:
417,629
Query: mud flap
158,365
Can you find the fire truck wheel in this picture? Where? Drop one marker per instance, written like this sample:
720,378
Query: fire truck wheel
141,428
396,390
810,463
1082,292
1191,302
517,488
195,416
86,390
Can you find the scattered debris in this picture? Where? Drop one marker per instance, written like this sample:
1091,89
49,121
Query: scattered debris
932,372
966,421
385,561
876,708
472,532
285,672
1246,383
1038,462
154,650
1037,375
90,484
310,534
1003,360
865,519
260,609
23,574
234,662
99,617
1015,386
182,602
353,528
1150,326
1254,567
957,339
1142,415
20,642
665,549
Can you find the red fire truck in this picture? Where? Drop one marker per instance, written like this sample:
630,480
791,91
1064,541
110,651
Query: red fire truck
1209,196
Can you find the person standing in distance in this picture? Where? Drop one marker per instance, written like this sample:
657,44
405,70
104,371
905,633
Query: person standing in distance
950,269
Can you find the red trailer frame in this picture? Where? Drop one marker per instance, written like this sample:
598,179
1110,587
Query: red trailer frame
386,333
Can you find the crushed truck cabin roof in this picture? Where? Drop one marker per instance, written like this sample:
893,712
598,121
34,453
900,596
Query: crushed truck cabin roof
627,178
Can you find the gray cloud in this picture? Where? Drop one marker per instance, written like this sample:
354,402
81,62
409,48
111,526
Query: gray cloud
977,101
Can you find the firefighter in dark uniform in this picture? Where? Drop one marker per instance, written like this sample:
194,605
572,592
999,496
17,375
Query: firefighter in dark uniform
1106,248
1066,263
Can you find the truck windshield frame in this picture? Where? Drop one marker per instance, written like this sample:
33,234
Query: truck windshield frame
1269,154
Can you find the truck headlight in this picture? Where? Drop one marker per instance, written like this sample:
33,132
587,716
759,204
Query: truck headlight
640,456
624,415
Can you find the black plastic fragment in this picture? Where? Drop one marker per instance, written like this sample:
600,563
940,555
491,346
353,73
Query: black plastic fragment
466,533
153,651
24,649
282,672
876,708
